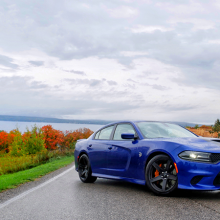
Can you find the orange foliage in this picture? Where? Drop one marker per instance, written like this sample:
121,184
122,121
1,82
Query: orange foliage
206,127
52,137
204,131
72,136
3,141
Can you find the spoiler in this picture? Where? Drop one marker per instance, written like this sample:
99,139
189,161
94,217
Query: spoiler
210,139
80,140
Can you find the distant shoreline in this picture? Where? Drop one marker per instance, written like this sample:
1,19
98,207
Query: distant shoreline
50,120
12,118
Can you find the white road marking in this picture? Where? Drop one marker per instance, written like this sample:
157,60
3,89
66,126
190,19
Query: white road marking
35,188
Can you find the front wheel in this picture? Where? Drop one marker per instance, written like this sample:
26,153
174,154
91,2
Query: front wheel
85,172
161,175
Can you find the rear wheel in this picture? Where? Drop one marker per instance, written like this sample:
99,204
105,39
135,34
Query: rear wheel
160,175
85,172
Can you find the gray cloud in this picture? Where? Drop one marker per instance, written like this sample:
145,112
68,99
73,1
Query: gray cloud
76,72
36,63
95,32
182,34
159,87
91,82
7,62
25,96
112,83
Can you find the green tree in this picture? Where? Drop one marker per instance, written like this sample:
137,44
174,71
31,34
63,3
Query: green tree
216,127
17,146
33,140
196,126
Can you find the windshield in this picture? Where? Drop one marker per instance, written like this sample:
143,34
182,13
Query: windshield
163,130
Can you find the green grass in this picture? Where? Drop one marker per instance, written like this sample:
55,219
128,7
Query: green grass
9,181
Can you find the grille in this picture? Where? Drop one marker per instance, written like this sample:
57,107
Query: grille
215,157
217,180
195,180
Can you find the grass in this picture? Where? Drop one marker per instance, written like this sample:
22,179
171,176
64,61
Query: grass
9,181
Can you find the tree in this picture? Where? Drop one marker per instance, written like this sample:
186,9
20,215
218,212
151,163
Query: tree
216,127
196,126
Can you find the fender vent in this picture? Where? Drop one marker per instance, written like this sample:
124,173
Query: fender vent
196,180
217,180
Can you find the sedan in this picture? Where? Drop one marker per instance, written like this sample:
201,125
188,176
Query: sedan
163,156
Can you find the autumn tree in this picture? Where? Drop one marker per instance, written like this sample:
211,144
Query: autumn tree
52,137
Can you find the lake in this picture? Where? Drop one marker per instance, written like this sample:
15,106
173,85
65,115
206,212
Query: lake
10,125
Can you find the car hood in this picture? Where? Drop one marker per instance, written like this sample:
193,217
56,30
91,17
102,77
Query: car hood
195,144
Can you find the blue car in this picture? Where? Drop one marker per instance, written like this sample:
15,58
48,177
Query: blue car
163,156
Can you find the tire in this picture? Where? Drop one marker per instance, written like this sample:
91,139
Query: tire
160,174
85,172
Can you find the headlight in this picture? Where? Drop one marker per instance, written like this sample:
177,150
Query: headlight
195,156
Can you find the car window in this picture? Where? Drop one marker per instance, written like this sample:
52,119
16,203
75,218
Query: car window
97,135
123,128
106,133
163,130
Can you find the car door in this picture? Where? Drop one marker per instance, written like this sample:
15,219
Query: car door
122,155
98,148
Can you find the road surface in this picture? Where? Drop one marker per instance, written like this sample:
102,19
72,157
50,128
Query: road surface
66,197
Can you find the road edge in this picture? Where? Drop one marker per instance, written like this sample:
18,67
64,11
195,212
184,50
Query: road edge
11,193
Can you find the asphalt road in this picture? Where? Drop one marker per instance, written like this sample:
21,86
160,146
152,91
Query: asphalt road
66,197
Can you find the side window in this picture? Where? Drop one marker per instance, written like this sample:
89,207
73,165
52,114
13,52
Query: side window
106,133
97,135
123,128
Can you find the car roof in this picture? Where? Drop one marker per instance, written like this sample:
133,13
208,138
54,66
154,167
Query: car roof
135,121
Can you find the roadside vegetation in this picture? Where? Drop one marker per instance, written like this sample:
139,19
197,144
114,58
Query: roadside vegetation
212,131
9,181
36,146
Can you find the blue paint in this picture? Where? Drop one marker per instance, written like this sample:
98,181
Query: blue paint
126,159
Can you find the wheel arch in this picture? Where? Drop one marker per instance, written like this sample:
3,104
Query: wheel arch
83,152
155,153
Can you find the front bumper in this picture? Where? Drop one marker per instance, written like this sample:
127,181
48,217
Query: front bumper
198,176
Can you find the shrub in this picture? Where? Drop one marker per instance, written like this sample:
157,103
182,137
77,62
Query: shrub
71,137
33,141
3,141
16,148
52,137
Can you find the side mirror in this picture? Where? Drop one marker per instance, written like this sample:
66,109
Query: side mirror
128,136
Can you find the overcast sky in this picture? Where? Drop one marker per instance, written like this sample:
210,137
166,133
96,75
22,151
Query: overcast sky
118,59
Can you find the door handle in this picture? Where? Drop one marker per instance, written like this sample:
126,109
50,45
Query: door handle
109,148
90,145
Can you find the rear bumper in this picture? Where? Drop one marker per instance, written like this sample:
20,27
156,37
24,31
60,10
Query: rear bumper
76,160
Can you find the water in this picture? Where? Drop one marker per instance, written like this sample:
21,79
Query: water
22,126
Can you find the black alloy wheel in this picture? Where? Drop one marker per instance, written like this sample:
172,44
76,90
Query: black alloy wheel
161,176
85,172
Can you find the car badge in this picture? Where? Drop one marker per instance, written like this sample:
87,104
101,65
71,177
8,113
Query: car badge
140,154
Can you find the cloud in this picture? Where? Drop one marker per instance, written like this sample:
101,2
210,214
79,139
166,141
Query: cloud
124,51
112,83
91,82
76,72
25,96
7,62
37,63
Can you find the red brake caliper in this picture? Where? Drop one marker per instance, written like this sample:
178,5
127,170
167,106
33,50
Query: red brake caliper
157,172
